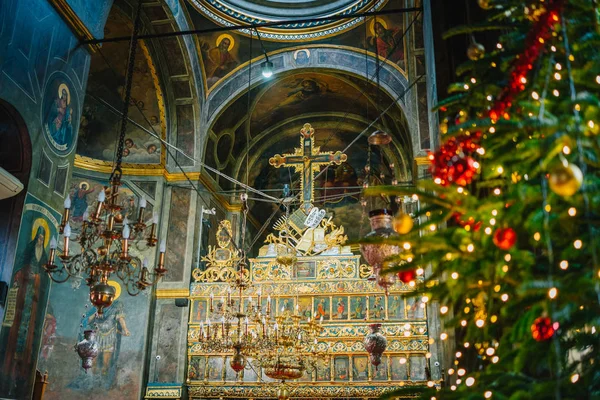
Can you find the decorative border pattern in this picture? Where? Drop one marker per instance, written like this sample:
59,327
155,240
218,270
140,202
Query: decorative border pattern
224,16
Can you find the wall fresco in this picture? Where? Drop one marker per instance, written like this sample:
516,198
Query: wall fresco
23,324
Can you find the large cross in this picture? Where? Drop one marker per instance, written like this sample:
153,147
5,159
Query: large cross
307,160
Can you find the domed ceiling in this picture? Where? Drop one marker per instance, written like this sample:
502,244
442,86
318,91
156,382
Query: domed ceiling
243,12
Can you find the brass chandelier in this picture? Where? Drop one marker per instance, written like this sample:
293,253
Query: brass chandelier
106,235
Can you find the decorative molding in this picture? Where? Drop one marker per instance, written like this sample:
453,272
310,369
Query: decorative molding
172,293
320,390
76,25
422,160
164,391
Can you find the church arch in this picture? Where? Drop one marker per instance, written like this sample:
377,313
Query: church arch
15,157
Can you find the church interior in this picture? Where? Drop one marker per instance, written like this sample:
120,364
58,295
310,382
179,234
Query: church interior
186,209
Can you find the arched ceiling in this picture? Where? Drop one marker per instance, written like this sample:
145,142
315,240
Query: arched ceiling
243,12
266,122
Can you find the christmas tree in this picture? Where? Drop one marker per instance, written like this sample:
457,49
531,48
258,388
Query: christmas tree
509,234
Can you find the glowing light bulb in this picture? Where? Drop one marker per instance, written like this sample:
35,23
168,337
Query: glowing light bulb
443,309
552,293
504,297
564,264
572,211
454,275
578,244
480,323
470,381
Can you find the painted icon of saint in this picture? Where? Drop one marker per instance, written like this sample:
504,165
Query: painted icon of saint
58,119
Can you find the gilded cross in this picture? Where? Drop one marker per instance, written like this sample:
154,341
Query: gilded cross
307,160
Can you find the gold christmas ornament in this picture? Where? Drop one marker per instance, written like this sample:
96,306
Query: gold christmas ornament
485,4
444,127
475,51
402,223
565,180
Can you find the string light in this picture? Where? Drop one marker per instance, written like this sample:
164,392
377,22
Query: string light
454,275
495,359
572,211
480,323
578,244
564,264
552,293
566,149
444,309
470,381
504,297
461,372
487,394
490,351
574,378
444,336
470,248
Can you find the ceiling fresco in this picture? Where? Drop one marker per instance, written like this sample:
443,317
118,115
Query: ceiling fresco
100,120
244,12
223,53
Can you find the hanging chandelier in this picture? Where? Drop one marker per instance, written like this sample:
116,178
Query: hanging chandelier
106,235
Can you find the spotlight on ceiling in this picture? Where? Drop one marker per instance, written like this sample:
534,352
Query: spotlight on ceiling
267,69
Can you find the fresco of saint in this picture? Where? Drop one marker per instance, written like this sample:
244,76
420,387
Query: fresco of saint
219,61
110,328
58,119
387,41
31,282
79,200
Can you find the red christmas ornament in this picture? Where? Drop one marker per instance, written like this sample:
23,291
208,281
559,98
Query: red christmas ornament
407,276
475,226
543,329
505,238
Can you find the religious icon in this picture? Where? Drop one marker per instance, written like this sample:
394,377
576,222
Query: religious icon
323,371
302,57
199,311
305,306
386,41
286,306
219,61
215,367
58,115
358,308
321,307
110,327
417,368
414,308
305,269
340,366
250,373
376,307
380,372
341,308
396,308
360,368
197,368
399,368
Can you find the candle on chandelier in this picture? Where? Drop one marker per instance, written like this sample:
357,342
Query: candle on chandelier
207,328
321,320
152,238
160,268
66,212
201,331
264,327
223,327
258,294
228,296
246,321
53,246
125,236
142,208
269,304
101,199
212,297
67,235
297,309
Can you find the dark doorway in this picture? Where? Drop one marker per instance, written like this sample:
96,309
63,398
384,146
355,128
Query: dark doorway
15,157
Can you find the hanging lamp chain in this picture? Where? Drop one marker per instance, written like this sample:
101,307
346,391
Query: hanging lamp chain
117,171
